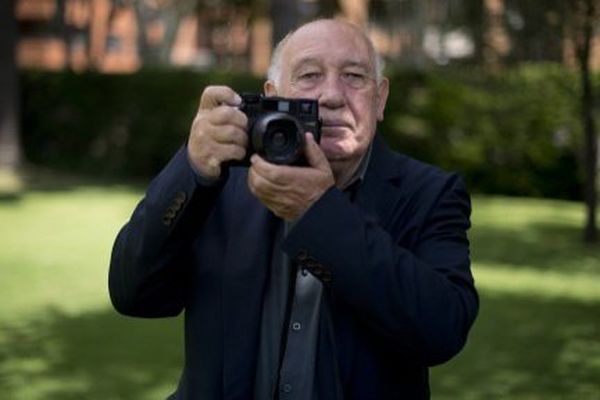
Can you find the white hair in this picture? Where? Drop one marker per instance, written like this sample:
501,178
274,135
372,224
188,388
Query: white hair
274,71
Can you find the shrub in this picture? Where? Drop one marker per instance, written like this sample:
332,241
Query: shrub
117,125
515,132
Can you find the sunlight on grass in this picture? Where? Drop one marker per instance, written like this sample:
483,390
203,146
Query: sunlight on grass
56,247
538,332
505,279
11,183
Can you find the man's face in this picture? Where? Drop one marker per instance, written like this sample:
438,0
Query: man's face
331,62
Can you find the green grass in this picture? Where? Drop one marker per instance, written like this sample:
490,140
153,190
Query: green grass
538,331
537,336
59,337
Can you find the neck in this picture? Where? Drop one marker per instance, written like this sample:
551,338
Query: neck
343,172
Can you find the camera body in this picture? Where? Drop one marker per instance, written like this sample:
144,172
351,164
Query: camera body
277,126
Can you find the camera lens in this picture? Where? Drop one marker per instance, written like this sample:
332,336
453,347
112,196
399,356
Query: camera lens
278,138
281,141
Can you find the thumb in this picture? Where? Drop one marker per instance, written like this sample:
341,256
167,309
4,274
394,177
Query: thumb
214,96
314,155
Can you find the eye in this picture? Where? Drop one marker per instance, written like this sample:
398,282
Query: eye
308,79
309,76
354,79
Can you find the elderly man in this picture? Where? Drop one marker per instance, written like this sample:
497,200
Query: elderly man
345,278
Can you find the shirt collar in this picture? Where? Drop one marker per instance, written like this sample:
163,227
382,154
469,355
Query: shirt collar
359,174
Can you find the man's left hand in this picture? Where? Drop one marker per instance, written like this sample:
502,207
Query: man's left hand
289,191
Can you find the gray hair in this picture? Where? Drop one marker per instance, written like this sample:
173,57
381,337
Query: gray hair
274,71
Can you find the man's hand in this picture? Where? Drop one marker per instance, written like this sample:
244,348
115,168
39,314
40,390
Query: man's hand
290,191
218,132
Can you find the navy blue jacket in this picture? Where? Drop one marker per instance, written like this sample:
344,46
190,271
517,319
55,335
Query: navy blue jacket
395,263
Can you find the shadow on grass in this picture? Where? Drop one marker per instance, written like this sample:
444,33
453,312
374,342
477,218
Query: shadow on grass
99,355
541,245
520,347
526,348
41,179
12,197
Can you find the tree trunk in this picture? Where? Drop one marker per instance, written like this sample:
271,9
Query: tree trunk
590,150
10,152
285,16
356,11
147,54
171,17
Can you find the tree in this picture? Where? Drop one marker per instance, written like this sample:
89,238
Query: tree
285,16
535,30
10,153
166,12
582,18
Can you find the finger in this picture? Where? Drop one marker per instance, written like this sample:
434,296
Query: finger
260,186
203,131
212,167
228,134
228,152
220,152
214,96
227,115
314,154
276,174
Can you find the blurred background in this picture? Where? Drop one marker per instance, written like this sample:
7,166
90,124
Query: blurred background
96,95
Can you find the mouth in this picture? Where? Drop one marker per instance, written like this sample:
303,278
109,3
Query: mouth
331,126
335,123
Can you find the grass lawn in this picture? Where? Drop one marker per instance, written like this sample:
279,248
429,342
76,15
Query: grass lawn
537,336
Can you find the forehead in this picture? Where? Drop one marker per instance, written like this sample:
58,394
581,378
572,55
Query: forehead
327,42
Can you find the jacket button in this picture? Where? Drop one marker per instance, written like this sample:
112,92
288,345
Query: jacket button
318,270
180,198
170,213
176,206
167,219
302,255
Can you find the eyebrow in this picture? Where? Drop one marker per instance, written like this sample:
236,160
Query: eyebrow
302,62
357,64
312,60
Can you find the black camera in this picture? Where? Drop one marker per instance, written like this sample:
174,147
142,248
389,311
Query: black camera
277,125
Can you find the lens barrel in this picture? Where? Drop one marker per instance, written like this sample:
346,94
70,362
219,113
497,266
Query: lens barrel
278,137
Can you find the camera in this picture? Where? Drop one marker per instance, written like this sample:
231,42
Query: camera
277,125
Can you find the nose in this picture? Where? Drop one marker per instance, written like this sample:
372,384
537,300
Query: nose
332,93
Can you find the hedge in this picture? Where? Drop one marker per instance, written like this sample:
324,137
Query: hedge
514,132
112,125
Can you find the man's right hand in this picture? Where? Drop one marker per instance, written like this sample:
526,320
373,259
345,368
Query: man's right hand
218,132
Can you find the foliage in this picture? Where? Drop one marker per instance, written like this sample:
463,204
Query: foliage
113,124
514,132
536,335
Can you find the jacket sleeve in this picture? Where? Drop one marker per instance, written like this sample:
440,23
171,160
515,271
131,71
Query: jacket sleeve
147,273
418,298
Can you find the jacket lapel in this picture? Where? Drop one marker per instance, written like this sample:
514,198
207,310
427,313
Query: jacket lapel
380,194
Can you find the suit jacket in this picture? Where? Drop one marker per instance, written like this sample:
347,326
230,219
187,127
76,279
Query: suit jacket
395,264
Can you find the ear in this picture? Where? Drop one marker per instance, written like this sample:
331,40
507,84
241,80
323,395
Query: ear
269,88
383,89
